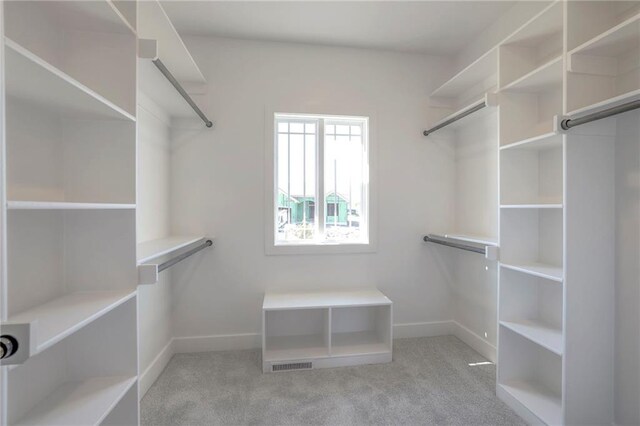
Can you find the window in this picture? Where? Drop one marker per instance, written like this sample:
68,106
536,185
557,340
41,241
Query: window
321,180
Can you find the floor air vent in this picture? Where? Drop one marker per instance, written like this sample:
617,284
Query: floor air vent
292,366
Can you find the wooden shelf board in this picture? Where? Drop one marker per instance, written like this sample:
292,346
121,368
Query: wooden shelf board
86,402
543,403
541,334
540,142
33,80
154,24
357,343
531,206
607,103
65,315
615,42
479,239
335,299
63,205
544,78
548,23
284,348
478,71
153,249
550,272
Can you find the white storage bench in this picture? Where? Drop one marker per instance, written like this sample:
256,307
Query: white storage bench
325,329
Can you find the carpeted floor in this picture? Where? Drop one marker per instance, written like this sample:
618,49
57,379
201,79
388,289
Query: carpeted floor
430,381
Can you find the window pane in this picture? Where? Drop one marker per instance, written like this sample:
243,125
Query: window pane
283,127
296,201
356,130
310,128
296,127
344,186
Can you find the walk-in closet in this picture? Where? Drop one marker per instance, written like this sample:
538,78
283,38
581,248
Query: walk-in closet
319,213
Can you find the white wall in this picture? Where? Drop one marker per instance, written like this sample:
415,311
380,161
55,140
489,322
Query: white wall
154,301
627,368
217,184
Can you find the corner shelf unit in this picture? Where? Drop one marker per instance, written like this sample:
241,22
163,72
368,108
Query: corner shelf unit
69,211
327,329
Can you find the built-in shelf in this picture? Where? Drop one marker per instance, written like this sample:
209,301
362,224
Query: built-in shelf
540,142
86,402
65,315
612,43
531,206
154,24
281,348
355,298
357,343
545,336
607,103
544,78
63,205
33,80
545,404
550,272
479,71
153,249
479,239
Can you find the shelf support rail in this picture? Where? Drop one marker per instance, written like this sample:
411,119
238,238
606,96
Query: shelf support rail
158,63
169,263
457,117
568,123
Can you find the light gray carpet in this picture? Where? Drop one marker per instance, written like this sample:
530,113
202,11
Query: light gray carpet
429,382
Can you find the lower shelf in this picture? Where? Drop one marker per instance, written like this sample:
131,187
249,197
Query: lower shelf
63,316
280,348
545,336
357,343
540,401
86,402
537,269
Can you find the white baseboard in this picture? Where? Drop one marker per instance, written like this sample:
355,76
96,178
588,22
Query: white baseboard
220,342
423,329
154,369
479,344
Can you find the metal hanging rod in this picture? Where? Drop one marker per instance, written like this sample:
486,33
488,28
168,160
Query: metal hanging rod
455,244
568,123
158,63
169,263
488,100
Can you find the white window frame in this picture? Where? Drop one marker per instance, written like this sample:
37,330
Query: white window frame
316,247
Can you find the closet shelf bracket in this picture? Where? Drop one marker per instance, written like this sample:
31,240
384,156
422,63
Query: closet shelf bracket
489,251
568,123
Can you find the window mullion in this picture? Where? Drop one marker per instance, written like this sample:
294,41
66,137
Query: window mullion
320,203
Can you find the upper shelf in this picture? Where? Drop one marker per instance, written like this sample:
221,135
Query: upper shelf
63,205
33,80
544,78
480,72
153,249
154,24
614,42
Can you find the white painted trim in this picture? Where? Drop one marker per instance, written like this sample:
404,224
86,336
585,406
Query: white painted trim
221,342
423,329
155,368
476,342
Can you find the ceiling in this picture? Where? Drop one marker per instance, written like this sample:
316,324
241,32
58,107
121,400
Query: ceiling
433,27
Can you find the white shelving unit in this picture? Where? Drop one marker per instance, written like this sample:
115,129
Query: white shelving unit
327,329
70,203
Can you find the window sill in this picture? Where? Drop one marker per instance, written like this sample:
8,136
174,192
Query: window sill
319,248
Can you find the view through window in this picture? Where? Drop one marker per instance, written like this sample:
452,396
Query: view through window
322,179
